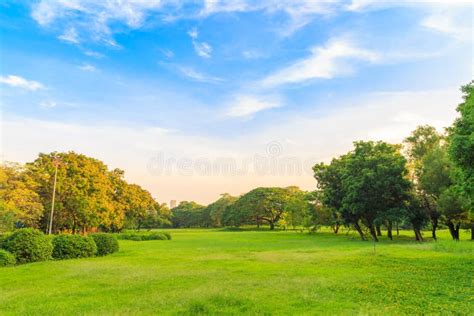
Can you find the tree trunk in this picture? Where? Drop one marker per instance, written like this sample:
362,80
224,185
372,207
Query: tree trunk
418,236
472,231
272,226
434,225
398,230
379,232
335,228
456,230
373,232
453,230
389,230
359,230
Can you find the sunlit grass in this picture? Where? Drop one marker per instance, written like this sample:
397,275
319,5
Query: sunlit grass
253,272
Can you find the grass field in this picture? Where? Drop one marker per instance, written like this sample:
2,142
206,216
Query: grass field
251,272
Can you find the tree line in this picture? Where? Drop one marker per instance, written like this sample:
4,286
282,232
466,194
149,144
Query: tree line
426,181
88,196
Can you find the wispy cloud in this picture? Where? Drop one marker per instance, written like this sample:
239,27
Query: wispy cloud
94,54
198,76
193,33
87,67
20,82
245,106
445,23
167,52
70,36
93,18
331,60
203,49
48,104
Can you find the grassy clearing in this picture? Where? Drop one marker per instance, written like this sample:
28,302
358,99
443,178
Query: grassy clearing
213,271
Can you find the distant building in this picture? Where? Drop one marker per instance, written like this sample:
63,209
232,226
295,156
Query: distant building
172,203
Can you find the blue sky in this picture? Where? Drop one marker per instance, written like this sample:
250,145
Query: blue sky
127,81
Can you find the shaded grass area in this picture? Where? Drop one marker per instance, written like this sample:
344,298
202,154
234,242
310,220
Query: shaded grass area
251,272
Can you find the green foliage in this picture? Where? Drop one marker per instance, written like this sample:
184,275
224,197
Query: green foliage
188,214
20,204
368,184
143,237
263,205
6,258
106,243
73,246
28,245
461,136
213,213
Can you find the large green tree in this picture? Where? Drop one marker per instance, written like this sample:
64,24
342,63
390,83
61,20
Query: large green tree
461,136
214,212
424,150
20,205
187,214
262,205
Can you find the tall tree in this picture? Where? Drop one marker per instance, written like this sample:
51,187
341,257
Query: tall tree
216,209
374,182
266,205
331,192
420,144
461,149
20,204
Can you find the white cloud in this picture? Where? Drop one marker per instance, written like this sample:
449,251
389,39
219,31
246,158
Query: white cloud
93,17
198,76
247,105
203,49
48,104
251,54
87,67
20,82
94,54
70,36
362,5
167,52
447,23
193,33
325,62
388,116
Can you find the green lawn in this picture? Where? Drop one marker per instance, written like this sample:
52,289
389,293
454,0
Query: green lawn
251,272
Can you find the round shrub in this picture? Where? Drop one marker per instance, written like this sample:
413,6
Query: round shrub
73,246
155,236
106,243
168,235
28,245
6,258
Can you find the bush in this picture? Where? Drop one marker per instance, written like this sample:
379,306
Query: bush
142,237
6,258
106,243
28,245
73,246
168,235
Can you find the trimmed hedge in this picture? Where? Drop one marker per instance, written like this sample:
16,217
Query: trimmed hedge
6,258
28,245
106,243
73,246
143,237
